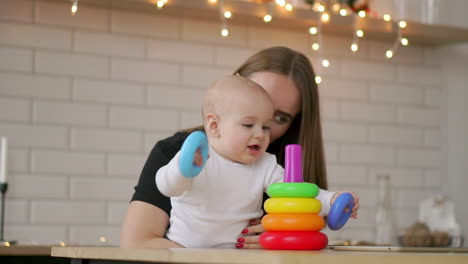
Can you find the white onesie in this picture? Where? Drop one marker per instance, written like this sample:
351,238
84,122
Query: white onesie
211,209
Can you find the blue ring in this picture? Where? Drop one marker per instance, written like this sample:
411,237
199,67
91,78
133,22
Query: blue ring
196,140
337,217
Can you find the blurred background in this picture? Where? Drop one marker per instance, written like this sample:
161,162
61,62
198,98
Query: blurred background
84,97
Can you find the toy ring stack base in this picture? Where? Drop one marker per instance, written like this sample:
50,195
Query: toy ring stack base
293,240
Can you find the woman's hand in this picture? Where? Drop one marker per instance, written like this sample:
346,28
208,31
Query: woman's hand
250,236
356,202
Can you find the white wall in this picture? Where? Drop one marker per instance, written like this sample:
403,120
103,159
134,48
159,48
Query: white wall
439,12
84,98
455,69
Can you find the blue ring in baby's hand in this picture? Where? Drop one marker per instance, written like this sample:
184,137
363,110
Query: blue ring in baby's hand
196,140
338,215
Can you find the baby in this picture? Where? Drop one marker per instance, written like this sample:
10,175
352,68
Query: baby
210,209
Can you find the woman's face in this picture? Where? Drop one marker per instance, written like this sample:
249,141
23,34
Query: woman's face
286,99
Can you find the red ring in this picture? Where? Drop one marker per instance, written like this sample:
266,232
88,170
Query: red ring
293,240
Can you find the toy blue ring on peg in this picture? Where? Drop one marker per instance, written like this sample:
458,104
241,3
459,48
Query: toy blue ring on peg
196,140
340,211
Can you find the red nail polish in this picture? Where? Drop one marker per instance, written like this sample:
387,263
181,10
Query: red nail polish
245,231
241,240
239,245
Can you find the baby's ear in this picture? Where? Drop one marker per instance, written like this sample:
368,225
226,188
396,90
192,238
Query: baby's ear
212,124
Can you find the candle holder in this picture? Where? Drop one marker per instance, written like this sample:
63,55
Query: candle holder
3,190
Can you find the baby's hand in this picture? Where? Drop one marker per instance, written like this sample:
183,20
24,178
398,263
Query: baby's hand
198,158
356,202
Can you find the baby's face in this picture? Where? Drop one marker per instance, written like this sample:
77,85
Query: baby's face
245,130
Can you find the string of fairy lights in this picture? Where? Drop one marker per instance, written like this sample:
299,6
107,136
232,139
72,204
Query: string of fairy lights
101,241
324,8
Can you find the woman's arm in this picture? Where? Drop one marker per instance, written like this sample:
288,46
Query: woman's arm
144,227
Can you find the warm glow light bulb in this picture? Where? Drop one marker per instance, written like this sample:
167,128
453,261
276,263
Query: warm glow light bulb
404,42
267,18
354,47
224,32
288,7
227,14
387,17
160,4
318,79
320,8
336,7
325,63
62,244
389,54
325,17
402,24
74,7
313,30
281,2
362,13
315,46
103,239
212,1
343,12
360,33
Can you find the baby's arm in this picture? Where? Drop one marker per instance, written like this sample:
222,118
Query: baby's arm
170,180
325,197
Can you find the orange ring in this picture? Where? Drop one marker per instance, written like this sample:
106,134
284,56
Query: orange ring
293,222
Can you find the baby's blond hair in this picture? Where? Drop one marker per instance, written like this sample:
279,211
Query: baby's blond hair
226,91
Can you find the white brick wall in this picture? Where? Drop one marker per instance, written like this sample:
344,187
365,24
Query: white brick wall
16,59
84,98
27,85
36,36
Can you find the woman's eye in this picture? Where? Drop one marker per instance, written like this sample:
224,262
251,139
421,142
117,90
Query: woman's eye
280,119
247,125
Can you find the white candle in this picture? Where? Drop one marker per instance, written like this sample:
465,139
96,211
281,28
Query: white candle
3,159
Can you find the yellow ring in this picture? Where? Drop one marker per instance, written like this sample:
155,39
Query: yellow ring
292,205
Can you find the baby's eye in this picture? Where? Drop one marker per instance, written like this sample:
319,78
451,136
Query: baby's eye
266,128
279,119
247,125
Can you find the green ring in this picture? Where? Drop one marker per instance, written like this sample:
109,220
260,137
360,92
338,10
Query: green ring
293,189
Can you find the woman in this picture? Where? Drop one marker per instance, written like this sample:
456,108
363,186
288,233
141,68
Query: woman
289,79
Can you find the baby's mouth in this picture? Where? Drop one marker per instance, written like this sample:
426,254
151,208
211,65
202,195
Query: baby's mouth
254,147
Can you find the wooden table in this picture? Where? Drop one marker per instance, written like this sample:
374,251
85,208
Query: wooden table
94,255
24,254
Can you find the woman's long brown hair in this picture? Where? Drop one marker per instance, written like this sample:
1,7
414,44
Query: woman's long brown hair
306,128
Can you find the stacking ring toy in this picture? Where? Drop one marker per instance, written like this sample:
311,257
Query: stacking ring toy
293,222
293,189
292,205
340,211
293,240
196,140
